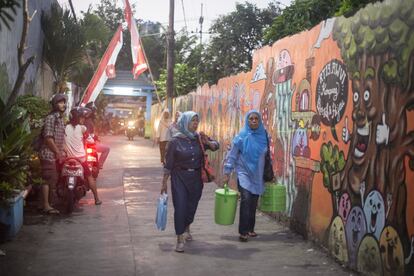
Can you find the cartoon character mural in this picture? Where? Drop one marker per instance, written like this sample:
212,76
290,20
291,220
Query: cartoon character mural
282,80
382,93
345,207
355,229
268,109
369,258
337,240
392,254
343,141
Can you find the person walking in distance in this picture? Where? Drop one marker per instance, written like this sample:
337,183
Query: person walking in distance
183,163
51,152
247,158
162,133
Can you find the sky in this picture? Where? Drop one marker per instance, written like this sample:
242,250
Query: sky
158,10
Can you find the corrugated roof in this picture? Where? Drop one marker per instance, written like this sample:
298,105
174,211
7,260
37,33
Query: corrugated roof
125,79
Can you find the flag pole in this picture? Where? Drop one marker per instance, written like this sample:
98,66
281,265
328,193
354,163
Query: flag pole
150,71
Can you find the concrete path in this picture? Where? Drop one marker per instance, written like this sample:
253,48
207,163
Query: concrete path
120,238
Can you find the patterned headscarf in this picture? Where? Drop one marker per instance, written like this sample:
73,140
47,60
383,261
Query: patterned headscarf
183,123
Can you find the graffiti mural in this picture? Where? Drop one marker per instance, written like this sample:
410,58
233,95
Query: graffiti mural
338,104
369,258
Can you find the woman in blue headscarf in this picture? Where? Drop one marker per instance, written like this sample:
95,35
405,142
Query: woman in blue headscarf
183,163
247,158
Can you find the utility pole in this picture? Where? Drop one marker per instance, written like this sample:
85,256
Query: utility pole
170,58
200,21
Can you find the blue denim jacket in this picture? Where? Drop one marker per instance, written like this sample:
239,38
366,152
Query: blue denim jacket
251,181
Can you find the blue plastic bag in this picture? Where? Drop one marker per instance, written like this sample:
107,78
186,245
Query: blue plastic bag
161,216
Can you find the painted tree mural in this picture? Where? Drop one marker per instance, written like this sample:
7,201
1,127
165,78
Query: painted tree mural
377,47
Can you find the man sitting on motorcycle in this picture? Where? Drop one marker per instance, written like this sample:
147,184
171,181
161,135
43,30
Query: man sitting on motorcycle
90,123
75,132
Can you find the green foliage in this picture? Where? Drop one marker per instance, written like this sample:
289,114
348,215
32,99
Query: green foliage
332,162
302,15
154,44
15,141
379,31
5,87
113,16
36,107
185,80
234,38
8,9
64,44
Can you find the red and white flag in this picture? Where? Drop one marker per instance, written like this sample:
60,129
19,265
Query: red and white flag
106,69
138,57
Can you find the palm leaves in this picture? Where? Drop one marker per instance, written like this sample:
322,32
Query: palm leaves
64,43
8,9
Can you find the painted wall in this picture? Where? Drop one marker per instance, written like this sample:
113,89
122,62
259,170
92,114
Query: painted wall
338,101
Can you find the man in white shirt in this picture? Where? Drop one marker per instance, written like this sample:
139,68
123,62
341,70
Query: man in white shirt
74,147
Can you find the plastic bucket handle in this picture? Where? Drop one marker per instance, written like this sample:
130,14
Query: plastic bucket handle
226,192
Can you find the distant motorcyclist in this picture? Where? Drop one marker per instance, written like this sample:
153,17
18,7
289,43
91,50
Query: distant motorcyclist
75,133
90,125
51,151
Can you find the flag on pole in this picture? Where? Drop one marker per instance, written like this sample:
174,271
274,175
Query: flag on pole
138,58
106,69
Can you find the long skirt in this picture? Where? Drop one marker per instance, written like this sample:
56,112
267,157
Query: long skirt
186,188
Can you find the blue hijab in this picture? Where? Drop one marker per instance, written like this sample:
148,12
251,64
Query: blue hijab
182,125
251,142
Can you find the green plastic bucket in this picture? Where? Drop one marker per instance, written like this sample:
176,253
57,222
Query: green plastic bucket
225,206
274,198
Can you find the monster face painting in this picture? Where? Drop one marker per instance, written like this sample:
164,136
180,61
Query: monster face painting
355,229
369,259
337,240
344,206
374,210
391,252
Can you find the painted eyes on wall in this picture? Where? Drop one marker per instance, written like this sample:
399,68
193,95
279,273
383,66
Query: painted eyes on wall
367,95
356,96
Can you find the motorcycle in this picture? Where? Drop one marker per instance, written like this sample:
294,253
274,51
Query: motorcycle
92,158
130,131
72,185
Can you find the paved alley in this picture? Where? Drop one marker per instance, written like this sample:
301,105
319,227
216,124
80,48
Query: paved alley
119,237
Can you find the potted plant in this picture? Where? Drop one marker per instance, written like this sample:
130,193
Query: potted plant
15,151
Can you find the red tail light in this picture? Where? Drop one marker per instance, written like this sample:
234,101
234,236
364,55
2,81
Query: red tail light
89,150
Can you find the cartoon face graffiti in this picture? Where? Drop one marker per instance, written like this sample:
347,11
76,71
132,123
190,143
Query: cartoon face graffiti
392,254
267,105
344,206
300,141
337,240
374,210
369,128
369,259
355,229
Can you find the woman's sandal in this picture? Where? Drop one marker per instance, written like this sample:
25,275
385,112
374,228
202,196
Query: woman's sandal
252,234
243,238
51,211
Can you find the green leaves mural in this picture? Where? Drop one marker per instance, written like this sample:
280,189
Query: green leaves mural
377,32
332,162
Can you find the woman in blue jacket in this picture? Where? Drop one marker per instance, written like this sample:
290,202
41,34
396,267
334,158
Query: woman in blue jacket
183,163
247,158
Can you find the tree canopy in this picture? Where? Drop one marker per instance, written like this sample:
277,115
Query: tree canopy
302,15
64,44
234,37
